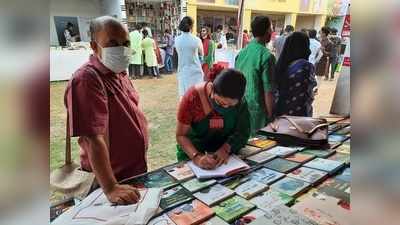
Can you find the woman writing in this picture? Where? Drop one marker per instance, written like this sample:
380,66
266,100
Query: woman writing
213,119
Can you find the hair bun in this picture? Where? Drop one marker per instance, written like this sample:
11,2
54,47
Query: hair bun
215,70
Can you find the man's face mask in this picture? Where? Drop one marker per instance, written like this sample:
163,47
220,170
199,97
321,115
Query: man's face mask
115,58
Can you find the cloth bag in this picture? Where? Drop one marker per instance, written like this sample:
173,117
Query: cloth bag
70,179
295,130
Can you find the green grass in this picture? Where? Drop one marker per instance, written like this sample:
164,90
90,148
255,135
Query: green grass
158,99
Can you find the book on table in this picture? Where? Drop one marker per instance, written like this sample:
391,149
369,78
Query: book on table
249,150
191,213
233,166
308,175
343,131
326,165
174,196
232,184
300,157
321,153
283,215
282,151
282,165
214,194
269,199
324,210
180,171
97,209
233,208
345,149
345,175
261,157
266,176
251,188
249,217
336,188
161,220
335,138
215,221
155,179
290,186
340,157
262,142
195,184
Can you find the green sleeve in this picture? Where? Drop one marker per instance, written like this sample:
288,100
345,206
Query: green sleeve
242,131
268,69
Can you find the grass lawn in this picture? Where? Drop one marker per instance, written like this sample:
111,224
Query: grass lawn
159,100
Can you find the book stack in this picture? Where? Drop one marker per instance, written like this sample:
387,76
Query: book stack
262,142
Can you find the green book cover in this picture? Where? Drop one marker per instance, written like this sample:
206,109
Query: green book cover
233,208
336,188
320,153
157,179
232,184
269,199
174,196
195,184
282,165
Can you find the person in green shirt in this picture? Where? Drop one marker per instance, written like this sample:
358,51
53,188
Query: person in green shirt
136,63
213,119
150,58
257,64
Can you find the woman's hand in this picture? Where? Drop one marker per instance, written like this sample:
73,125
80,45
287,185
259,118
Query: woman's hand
207,162
222,156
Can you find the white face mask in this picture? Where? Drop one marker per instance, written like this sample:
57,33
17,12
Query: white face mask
116,58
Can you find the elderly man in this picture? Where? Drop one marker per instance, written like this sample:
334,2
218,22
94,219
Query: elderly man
103,112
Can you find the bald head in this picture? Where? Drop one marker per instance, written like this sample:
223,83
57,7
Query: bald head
107,31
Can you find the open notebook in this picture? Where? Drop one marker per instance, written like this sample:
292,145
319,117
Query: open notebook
96,209
233,166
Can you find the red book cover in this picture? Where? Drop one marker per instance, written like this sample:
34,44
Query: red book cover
193,213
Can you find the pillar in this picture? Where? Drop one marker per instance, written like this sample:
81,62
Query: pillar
247,19
319,22
290,19
192,12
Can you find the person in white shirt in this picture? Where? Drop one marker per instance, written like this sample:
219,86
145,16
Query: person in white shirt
222,45
315,47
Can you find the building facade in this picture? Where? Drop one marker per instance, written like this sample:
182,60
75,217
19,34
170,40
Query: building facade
299,13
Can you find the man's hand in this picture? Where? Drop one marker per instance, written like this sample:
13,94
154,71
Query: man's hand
206,162
222,156
123,195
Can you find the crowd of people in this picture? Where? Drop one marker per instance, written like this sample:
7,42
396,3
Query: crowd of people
219,107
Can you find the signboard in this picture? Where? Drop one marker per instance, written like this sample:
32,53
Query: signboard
346,27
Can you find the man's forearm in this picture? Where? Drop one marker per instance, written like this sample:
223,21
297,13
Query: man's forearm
100,162
269,103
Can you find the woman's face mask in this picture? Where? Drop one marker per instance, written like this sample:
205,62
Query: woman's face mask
222,105
115,58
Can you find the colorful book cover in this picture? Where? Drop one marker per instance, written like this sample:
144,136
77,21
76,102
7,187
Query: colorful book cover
283,215
215,221
180,171
336,188
195,184
309,175
320,153
232,184
249,150
191,213
251,188
282,165
282,151
290,186
261,157
161,220
156,179
269,199
262,142
334,138
266,176
345,175
174,196
300,157
326,165
343,149
324,211
233,208
340,157
214,194
249,217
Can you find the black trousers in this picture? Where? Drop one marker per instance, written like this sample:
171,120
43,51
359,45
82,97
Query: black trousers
135,70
